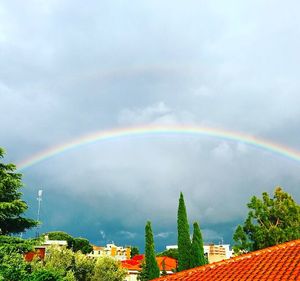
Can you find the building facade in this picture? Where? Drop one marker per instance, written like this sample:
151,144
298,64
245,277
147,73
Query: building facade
118,253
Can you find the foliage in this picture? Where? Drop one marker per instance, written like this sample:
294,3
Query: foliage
172,253
11,205
107,269
84,267
12,264
9,244
143,275
13,267
134,251
69,276
151,267
197,250
67,264
270,221
82,244
58,259
163,272
184,242
44,274
242,242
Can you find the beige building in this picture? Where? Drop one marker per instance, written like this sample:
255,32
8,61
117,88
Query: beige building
111,250
213,252
217,252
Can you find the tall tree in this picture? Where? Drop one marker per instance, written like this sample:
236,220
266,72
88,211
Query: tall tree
184,242
11,205
197,250
172,253
270,221
151,267
134,250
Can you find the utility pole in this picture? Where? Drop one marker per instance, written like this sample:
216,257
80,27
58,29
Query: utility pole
39,199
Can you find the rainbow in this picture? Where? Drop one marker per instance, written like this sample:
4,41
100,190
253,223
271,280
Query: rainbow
160,130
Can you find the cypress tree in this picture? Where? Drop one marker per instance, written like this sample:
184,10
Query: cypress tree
197,251
151,267
184,242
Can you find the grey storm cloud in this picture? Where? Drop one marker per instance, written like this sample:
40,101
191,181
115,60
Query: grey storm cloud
70,68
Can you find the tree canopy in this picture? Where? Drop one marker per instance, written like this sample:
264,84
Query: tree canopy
270,221
12,206
172,253
134,250
107,269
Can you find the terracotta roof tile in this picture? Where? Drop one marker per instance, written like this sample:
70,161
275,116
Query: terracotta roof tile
136,263
280,262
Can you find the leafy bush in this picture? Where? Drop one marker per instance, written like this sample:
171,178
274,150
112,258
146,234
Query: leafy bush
45,275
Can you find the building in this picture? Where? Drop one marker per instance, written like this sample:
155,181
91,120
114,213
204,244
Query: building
41,251
111,250
280,262
216,253
213,252
48,242
134,266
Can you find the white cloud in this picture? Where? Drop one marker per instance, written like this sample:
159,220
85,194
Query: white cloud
102,234
69,69
223,151
163,235
127,234
158,111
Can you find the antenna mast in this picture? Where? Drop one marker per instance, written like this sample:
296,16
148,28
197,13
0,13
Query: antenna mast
39,199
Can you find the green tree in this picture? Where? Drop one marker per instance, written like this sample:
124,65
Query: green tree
12,264
164,272
142,275
9,244
270,221
184,242
172,253
82,244
107,269
65,263
197,250
151,267
59,260
84,267
134,251
11,205
13,267
44,274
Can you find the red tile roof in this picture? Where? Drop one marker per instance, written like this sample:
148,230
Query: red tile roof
136,263
131,264
280,262
138,257
170,263
39,252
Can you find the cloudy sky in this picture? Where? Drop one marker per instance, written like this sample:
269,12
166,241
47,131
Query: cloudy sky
70,68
